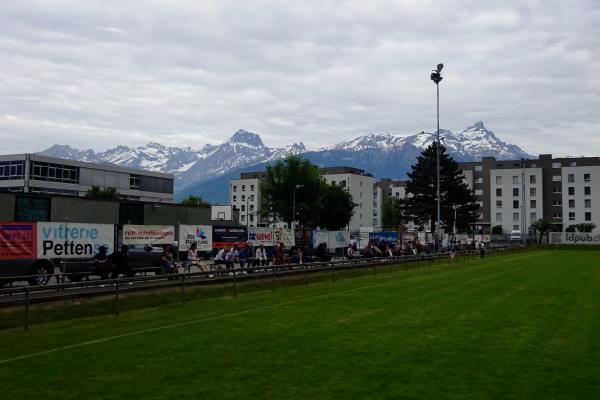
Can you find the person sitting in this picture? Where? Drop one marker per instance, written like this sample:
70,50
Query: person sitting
120,262
280,254
220,257
351,253
261,256
231,258
102,264
194,260
168,264
244,257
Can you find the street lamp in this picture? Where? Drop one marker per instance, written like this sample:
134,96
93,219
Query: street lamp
455,207
294,207
436,77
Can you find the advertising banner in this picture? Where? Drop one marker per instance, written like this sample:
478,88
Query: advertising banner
148,234
226,236
386,236
18,241
320,237
303,238
199,234
284,235
338,239
575,238
73,240
260,236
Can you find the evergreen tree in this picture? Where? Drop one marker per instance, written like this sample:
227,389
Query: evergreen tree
392,213
420,203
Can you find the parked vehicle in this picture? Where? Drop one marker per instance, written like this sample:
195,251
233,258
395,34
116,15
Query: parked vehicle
515,236
34,271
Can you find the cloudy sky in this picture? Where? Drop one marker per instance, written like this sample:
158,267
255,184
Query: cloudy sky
95,74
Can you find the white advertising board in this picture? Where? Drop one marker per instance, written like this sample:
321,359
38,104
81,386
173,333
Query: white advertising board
320,237
73,240
260,236
284,235
199,234
338,239
579,238
148,234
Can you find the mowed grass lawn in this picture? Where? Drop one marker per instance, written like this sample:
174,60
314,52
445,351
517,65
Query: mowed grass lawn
523,326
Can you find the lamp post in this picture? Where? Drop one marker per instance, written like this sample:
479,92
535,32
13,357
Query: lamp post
455,207
523,205
436,77
294,206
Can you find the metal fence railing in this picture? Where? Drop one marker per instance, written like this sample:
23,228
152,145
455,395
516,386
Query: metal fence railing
25,296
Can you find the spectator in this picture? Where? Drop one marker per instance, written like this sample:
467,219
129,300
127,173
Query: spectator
220,257
231,258
168,264
102,264
194,260
351,253
120,262
280,254
261,256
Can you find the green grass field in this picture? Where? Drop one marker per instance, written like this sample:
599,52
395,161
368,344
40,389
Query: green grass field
525,326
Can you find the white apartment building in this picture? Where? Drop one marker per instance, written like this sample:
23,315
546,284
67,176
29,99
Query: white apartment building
244,195
360,187
516,198
580,190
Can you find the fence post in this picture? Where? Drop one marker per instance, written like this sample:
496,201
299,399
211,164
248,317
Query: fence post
234,283
183,288
26,308
332,271
305,276
117,297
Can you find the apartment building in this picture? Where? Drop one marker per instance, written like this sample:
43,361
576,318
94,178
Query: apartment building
33,173
516,193
383,190
244,195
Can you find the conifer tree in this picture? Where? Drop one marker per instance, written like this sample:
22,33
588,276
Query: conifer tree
420,203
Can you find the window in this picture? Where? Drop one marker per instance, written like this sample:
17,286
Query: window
243,207
515,180
573,164
555,165
478,180
557,189
243,188
571,178
360,195
498,203
532,217
343,183
243,197
571,191
587,190
398,194
515,217
586,177
243,217
360,183
498,180
234,198
252,188
43,171
588,203
12,170
571,203
532,204
251,218
557,202
478,192
499,217
588,216
571,216
498,192
533,165
532,192
333,182
251,207
515,203
556,178
235,188
134,182
516,227
478,168
557,215
532,179
515,192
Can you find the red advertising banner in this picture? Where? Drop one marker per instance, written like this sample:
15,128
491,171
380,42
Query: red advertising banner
18,240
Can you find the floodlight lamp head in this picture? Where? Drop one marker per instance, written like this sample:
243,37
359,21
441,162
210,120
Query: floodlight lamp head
439,67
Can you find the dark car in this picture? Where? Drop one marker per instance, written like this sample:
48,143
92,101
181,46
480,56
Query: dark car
34,271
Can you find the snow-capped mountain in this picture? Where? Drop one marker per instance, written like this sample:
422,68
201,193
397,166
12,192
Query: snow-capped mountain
189,165
474,142
384,155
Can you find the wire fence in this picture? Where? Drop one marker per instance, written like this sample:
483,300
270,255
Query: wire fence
233,278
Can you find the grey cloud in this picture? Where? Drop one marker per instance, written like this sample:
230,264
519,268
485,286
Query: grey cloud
101,74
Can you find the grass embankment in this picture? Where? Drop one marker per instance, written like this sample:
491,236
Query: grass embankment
522,326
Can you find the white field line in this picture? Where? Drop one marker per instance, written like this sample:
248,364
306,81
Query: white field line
196,321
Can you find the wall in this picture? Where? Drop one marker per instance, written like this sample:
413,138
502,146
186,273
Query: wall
7,207
80,210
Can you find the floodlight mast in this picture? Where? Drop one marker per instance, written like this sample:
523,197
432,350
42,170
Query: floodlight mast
436,77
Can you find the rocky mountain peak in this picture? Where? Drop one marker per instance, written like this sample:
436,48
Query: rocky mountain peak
242,136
